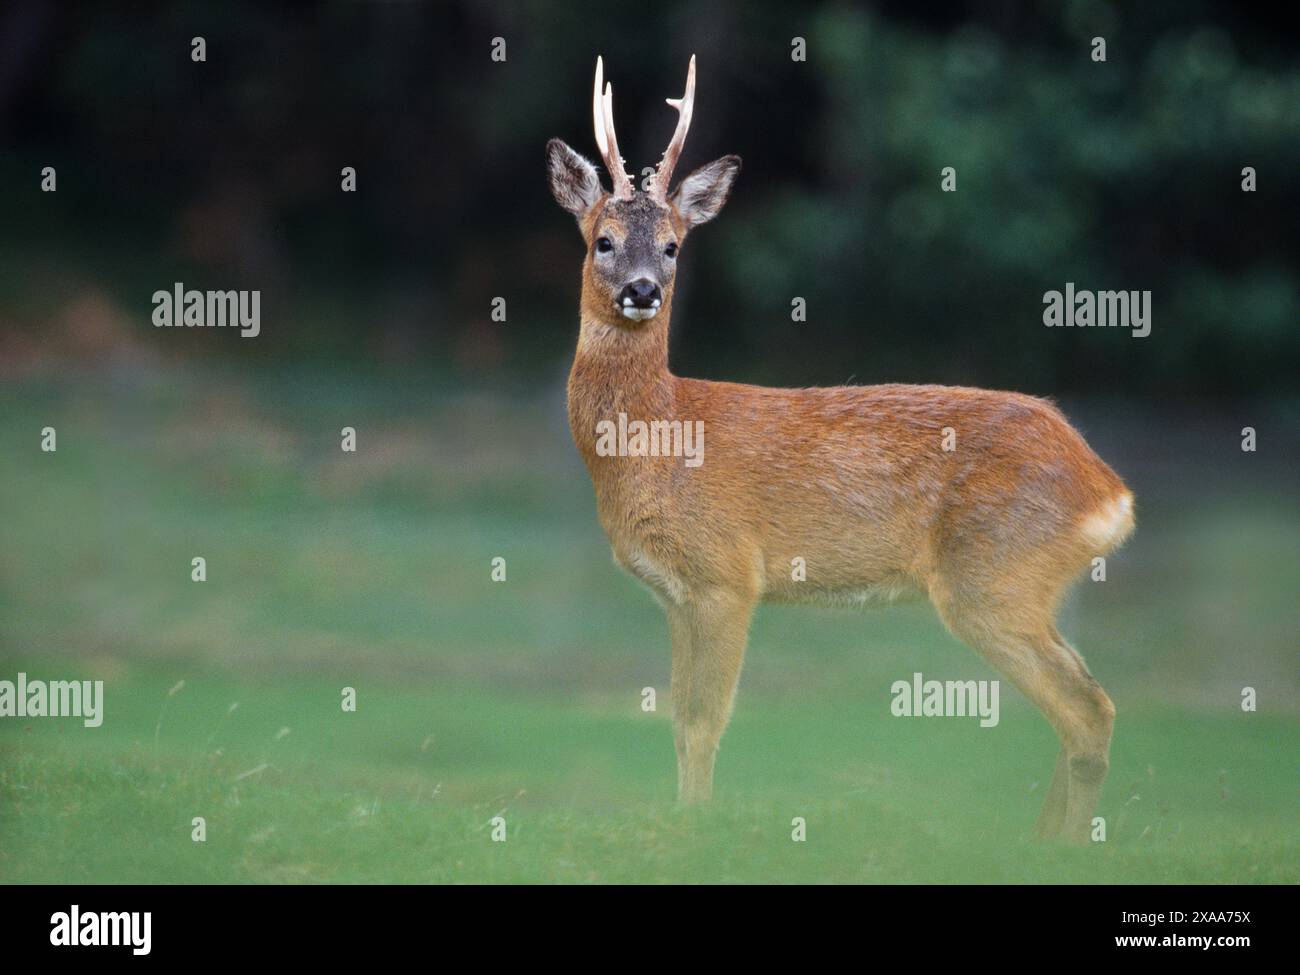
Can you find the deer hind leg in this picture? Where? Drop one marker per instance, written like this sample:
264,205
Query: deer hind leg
709,633
1088,746
1052,818
1033,656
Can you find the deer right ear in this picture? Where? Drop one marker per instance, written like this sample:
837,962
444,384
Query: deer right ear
574,182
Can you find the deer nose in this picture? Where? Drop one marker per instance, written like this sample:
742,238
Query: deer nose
641,293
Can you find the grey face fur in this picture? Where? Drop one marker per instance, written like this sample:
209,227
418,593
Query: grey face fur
634,248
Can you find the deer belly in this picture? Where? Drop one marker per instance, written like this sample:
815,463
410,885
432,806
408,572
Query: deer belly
862,564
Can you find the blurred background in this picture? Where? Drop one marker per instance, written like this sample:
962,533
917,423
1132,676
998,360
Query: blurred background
372,569
1118,175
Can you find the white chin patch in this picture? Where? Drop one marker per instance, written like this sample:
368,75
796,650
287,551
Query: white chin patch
639,314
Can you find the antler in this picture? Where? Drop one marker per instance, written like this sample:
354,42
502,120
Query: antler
685,106
602,116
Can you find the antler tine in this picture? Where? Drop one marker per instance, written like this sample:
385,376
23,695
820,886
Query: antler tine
602,116
685,107
598,110
622,183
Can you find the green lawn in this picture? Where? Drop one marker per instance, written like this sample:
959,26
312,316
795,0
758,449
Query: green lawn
404,789
522,699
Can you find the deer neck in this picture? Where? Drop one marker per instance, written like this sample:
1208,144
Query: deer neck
618,369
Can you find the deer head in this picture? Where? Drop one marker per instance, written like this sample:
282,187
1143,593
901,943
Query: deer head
633,238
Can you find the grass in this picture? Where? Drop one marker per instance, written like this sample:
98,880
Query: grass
292,788
522,699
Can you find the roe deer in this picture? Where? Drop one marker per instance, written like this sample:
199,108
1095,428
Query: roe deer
855,480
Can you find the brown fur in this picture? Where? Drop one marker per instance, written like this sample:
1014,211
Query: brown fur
855,481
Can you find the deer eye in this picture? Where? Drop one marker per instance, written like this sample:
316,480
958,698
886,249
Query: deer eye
671,249
604,245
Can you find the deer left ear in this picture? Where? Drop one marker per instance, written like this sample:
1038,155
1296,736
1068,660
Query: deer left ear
700,196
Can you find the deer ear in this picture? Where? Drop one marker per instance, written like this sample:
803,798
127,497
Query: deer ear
700,196
574,182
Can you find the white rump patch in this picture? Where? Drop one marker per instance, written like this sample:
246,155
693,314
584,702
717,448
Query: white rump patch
1107,527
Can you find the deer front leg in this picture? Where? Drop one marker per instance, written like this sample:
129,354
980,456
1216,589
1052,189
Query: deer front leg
709,631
